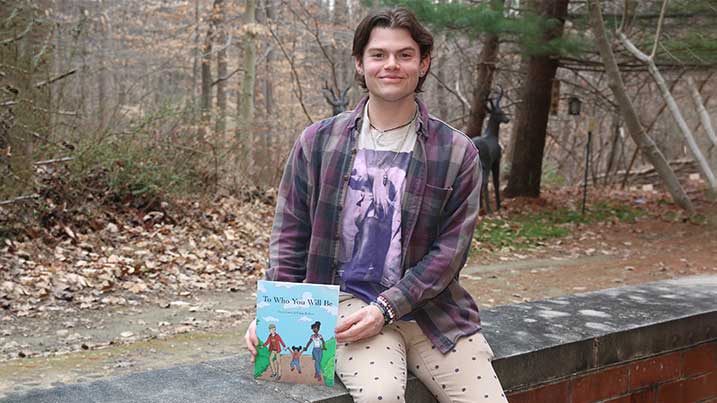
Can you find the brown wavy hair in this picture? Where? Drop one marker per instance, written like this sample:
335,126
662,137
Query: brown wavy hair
394,18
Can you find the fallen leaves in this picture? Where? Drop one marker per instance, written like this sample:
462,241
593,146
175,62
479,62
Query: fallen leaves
214,246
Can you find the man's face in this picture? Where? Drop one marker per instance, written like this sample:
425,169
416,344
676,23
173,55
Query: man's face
391,64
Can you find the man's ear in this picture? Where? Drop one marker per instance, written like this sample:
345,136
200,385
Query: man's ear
358,65
425,64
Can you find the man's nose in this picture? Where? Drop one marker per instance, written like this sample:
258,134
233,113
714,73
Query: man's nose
391,62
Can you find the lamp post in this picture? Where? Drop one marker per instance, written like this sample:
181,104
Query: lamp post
574,106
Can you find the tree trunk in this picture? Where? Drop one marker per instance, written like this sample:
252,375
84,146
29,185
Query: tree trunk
24,107
220,14
82,38
519,86
532,117
441,93
704,116
196,54
270,12
245,121
342,54
103,30
268,92
612,155
629,115
206,99
676,114
484,82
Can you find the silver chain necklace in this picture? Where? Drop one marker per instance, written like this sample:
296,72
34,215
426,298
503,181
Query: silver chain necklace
381,133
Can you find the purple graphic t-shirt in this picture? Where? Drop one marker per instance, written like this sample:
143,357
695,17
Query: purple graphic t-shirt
370,254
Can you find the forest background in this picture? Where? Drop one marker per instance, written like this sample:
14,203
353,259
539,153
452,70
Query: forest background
141,100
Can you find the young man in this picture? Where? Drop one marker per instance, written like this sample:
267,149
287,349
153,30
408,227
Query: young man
383,201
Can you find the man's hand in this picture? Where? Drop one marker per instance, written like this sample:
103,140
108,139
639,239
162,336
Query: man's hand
251,340
364,323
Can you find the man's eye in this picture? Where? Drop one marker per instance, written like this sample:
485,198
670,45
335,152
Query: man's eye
407,55
377,55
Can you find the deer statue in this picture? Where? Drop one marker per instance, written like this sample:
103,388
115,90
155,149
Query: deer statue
490,150
337,99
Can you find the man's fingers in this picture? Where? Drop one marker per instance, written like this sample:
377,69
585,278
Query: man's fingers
251,348
343,335
343,324
251,340
351,334
347,322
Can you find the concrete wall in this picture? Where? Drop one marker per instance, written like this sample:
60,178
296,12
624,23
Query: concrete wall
650,343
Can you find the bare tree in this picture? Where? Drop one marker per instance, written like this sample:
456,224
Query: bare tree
670,100
222,39
632,121
206,97
196,55
245,123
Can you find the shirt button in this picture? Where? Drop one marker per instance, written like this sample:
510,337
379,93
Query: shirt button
353,151
346,178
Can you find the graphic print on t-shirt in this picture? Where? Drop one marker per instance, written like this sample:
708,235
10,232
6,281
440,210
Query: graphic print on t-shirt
372,217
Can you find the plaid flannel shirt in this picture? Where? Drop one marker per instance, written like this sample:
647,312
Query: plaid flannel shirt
439,209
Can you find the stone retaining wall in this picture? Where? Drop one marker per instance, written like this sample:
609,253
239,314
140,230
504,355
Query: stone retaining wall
650,343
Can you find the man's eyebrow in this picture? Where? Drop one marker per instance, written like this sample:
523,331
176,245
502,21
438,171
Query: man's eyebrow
384,50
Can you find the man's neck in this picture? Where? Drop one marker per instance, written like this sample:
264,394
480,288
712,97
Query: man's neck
385,115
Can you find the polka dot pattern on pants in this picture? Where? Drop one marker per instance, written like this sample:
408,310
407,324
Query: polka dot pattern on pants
463,375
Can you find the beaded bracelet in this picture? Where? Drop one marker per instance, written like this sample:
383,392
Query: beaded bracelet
391,313
386,318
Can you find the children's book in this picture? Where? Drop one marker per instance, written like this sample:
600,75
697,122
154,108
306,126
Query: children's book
295,324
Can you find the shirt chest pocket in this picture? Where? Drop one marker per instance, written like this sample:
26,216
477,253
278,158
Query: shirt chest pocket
432,206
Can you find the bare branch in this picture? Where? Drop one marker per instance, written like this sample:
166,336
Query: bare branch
54,79
632,48
449,89
228,76
21,34
297,89
704,166
623,19
18,199
53,161
315,32
659,29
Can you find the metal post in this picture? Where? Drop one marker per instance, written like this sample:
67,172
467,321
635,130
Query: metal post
587,165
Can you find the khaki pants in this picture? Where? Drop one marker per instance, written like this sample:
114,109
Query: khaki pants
374,369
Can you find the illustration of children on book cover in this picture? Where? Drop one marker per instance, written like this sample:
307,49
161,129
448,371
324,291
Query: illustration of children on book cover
295,325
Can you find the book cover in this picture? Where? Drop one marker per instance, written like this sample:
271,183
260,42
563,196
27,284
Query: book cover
295,324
